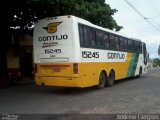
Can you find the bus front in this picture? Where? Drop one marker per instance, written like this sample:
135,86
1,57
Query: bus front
53,52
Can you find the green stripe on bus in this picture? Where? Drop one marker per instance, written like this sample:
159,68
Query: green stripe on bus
130,65
133,65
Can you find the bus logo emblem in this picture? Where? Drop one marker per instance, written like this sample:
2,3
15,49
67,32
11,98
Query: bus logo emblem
52,27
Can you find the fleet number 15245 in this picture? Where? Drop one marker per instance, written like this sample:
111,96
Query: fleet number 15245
89,54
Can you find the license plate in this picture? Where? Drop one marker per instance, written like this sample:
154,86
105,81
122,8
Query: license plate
56,70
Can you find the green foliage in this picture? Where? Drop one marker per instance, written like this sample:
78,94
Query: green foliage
159,51
156,61
95,11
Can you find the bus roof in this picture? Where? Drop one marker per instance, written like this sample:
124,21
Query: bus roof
85,22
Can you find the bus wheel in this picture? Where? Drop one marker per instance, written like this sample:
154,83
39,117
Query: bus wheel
102,80
110,79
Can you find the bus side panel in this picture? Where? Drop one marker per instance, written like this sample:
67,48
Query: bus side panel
107,60
136,63
139,64
88,73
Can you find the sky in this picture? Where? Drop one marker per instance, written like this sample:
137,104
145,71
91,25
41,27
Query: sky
136,25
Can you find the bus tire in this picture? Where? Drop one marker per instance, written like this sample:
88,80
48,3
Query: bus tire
102,80
110,79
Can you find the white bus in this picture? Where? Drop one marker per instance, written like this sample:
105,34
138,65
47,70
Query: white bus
72,52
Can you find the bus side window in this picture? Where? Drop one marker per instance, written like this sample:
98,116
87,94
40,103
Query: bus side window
111,41
125,44
85,33
81,36
130,45
116,43
99,38
91,37
136,46
106,41
121,43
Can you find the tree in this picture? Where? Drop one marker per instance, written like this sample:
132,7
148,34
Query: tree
26,12
159,50
156,62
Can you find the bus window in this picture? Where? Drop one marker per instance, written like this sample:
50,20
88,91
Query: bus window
106,40
136,46
99,38
111,42
121,43
130,45
91,37
85,33
81,35
125,44
116,43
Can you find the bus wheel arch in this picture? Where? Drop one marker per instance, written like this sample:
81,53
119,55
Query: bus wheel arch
102,79
111,78
140,72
